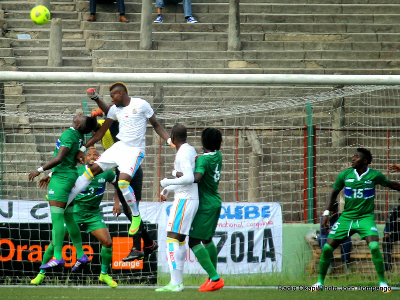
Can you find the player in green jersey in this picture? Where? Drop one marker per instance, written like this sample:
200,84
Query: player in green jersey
64,176
358,215
87,212
207,174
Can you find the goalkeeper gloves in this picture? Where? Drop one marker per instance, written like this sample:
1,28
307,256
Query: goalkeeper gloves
92,94
97,112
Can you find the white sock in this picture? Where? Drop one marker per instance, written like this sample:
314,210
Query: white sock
129,196
182,258
174,261
80,184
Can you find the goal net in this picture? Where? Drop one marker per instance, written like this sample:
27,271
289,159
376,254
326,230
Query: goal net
283,147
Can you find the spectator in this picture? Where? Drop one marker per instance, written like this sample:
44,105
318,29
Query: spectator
345,248
121,9
390,235
187,9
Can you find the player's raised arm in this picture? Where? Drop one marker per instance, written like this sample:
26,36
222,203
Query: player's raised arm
160,130
394,185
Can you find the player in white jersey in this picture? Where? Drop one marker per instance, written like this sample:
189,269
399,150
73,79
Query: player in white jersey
184,208
128,153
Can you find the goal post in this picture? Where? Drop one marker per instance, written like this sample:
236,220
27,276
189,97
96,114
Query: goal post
285,140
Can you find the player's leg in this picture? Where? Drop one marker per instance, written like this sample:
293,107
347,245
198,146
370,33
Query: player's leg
179,223
125,206
339,232
128,162
387,251
103,236
203,229
84,180
175,262
76,238
47,256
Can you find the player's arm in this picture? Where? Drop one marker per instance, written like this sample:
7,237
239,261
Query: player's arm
93,95
331,200
55,161
160,130
185,179
100,133
394,185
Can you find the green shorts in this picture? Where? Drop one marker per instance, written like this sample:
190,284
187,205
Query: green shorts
204,223
61,185
345,227
90,222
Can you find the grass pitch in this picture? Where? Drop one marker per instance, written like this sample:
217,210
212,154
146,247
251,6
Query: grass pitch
191,293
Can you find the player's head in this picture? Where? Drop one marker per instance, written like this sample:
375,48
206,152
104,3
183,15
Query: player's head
211,138
118,92
91,156
84,123
361,158
178,134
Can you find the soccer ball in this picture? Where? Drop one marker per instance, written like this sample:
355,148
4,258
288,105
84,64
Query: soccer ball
40,14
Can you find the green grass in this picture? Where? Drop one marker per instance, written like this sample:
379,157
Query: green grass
22,293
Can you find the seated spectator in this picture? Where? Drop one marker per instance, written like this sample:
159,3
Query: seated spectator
390,235
187,9
121,8
345,248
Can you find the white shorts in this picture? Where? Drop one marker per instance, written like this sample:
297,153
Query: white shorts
127,158
181,215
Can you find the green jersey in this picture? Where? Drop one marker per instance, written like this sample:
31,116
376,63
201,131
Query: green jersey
210,165
359,191
88,201
73,140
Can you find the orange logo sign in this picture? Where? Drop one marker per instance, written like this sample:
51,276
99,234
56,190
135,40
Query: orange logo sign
121,248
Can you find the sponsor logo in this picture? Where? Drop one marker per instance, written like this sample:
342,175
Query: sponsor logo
373,228
349,180
121,248
332,232
368,182
102,180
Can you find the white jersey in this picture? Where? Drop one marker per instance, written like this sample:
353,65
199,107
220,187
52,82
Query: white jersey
132,122
185,161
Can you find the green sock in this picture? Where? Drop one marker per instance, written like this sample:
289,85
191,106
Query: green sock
106,257
204,260
74,231
377,259
213,253
57,218
325,262
48,254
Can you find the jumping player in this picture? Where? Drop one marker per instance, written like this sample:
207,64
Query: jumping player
64,176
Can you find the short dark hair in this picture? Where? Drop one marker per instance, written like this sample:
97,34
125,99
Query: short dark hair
180,132
119,84
366,153
90,124
211,138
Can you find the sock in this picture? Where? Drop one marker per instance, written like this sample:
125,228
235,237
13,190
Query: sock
212,252
204,260
80,184
377,259
48,254
129,196
325,262
74,231
182,258
148,242
57,219
106,257
137,238
174,261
